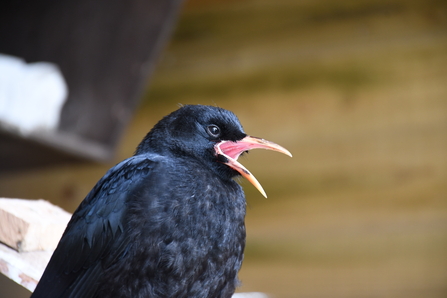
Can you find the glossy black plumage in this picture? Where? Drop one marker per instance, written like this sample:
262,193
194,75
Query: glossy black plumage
167,222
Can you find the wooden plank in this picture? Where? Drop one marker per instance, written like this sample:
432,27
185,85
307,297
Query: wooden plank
31,225
25,268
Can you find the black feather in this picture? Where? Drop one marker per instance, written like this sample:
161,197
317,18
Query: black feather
167,222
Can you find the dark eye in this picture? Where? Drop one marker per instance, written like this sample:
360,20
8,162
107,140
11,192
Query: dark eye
213,130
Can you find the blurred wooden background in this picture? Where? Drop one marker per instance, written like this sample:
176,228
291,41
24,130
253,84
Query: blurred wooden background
357,91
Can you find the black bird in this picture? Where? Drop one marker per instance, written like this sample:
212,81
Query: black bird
167,222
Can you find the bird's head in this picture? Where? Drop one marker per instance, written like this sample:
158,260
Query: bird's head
210,134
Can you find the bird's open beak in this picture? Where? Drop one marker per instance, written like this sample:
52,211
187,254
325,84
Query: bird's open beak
232,150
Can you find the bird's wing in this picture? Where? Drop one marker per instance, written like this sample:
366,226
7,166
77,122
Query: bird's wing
96,230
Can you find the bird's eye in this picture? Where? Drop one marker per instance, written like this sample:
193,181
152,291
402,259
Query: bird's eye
213,130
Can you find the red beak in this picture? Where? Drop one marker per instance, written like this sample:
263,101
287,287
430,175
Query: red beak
232,150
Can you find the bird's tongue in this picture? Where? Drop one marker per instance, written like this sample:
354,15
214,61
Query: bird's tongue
232,150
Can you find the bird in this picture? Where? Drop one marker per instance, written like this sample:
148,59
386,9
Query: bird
166,222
